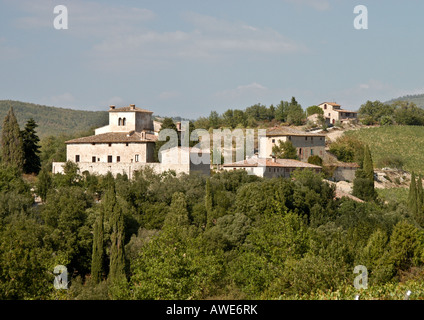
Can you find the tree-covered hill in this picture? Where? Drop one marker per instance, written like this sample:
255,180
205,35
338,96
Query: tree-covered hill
53,120
418,99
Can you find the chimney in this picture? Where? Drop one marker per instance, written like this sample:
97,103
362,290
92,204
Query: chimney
132,106
112,107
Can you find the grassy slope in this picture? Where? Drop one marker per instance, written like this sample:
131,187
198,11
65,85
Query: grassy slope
404,141
52,120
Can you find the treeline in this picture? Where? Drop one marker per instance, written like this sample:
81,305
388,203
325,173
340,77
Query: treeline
398,112
285,112
230,236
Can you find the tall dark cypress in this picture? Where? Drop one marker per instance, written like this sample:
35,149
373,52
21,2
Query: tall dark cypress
412,196
11,142
117,255
98,250
208,203
31,148
420,194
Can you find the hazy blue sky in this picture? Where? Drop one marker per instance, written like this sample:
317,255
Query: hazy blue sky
182,57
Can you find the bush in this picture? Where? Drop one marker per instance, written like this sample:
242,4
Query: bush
315,160
391,161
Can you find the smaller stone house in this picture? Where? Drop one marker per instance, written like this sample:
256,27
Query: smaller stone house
333,113
306,144
270,167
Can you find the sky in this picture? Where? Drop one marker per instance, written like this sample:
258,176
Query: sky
189,57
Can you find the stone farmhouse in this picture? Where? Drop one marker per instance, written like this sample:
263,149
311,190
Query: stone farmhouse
127,144
270,167
333,113
306,144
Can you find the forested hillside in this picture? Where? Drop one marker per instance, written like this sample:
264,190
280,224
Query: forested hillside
418,99
52,120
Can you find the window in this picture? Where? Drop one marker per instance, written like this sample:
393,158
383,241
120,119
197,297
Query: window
306,138
312,138
325,106
136,158
312,152
119,121
124,122
77,158
126,144
93,159
300,151
289,137
109,159
118,159
110,144
273,140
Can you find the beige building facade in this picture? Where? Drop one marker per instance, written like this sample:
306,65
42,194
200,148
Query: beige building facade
334,113
128,144
270,167
306,144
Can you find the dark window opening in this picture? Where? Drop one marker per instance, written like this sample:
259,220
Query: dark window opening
77,158
93,159
109,159
118,158
124,122
119,121
110,144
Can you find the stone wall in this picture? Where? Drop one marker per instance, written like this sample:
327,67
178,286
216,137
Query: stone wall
100,168
102,150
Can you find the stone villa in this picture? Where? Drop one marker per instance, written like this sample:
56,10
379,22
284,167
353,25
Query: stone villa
127,144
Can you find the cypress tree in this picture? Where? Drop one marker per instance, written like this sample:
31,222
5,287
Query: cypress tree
44,183
368,165
412,196
208,202
363,184
11,141
31,148
177,216
98,250
117,256
420,194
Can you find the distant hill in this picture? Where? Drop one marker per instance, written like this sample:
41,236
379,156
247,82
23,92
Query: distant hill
418,99
53,120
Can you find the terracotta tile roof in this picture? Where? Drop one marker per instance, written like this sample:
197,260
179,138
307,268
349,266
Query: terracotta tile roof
115,137
343,110
331,104
129,109
280,163
288,131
